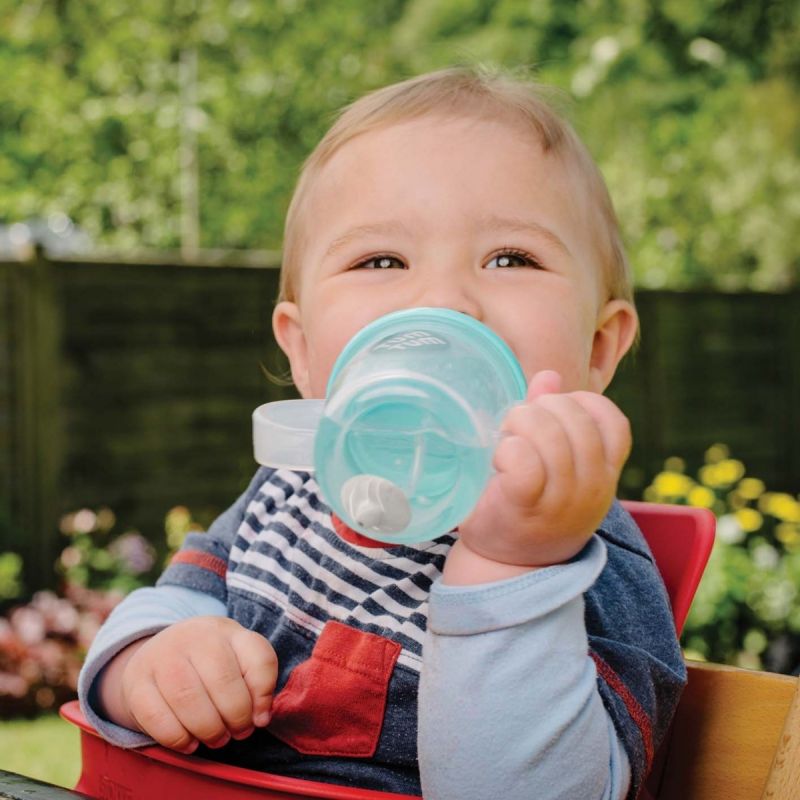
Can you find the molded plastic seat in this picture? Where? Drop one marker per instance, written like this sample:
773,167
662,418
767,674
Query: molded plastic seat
680,538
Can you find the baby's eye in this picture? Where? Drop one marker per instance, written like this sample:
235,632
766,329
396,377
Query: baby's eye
512,258
380,262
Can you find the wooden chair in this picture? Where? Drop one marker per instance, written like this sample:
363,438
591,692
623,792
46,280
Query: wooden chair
736,736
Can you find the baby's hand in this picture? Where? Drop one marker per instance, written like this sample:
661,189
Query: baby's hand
558,465
205,679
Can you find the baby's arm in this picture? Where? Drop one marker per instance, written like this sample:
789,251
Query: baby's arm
508,703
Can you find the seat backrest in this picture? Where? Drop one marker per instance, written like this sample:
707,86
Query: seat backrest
681,539
736,735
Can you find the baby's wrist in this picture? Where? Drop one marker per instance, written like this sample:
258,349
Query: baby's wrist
111,703
465,567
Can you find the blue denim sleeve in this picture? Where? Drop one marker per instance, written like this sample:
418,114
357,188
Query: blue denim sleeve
509,703
202,561
633,642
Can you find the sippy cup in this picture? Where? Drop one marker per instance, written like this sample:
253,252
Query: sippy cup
402,445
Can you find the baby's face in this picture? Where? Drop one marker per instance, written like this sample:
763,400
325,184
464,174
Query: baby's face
463,214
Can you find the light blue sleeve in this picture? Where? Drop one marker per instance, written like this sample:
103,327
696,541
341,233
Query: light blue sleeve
143,612
508,703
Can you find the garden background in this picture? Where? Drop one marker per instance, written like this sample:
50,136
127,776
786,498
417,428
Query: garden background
147,154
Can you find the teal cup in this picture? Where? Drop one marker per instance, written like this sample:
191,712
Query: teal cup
402,445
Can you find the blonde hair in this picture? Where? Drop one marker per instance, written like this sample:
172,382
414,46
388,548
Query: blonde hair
466,92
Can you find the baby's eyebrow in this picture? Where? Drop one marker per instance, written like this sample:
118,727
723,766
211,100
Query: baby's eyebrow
492,222
387,228
489,222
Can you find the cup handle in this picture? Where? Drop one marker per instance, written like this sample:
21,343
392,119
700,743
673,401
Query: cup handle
284,432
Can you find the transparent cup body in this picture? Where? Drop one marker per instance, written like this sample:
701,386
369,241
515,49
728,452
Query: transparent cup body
405,442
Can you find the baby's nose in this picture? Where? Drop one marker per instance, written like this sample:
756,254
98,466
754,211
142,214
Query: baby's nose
456,295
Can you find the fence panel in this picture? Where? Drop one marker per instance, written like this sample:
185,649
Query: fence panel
131,386
714,368
6,399
144,401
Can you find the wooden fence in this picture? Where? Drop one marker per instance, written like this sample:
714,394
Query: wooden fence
131,386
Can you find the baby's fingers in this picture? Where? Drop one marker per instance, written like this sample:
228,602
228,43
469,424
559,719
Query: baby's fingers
546,381
182,687
535,458
219,670
523,470
259,668
155,717
582,433
613,426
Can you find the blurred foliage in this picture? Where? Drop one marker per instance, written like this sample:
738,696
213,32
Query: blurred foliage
690,106
43,642
10,576
94,559
746,611
42,646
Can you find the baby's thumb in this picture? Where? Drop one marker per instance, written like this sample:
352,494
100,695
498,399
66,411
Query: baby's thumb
546,381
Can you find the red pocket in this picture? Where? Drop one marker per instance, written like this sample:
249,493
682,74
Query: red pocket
333,704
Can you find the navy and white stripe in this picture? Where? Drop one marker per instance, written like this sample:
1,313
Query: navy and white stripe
287,553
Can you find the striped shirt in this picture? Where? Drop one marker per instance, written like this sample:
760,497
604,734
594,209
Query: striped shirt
287,553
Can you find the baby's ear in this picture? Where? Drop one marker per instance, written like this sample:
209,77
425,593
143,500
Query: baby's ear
288,330
617,324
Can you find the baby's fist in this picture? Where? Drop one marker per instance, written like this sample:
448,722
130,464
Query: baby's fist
206,679
557,468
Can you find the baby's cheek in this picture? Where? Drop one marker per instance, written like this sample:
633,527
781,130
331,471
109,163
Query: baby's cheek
318,383
321,357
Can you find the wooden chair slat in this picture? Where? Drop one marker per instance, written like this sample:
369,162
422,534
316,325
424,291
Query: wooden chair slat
726,734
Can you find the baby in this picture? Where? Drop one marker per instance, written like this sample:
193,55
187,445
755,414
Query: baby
530,653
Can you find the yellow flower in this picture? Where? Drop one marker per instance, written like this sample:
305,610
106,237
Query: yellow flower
717,452
701,496
721,473
749,519
780,505
788,534
730,470
672,484
751,488
709,476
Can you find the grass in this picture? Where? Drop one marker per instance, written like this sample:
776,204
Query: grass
46,748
